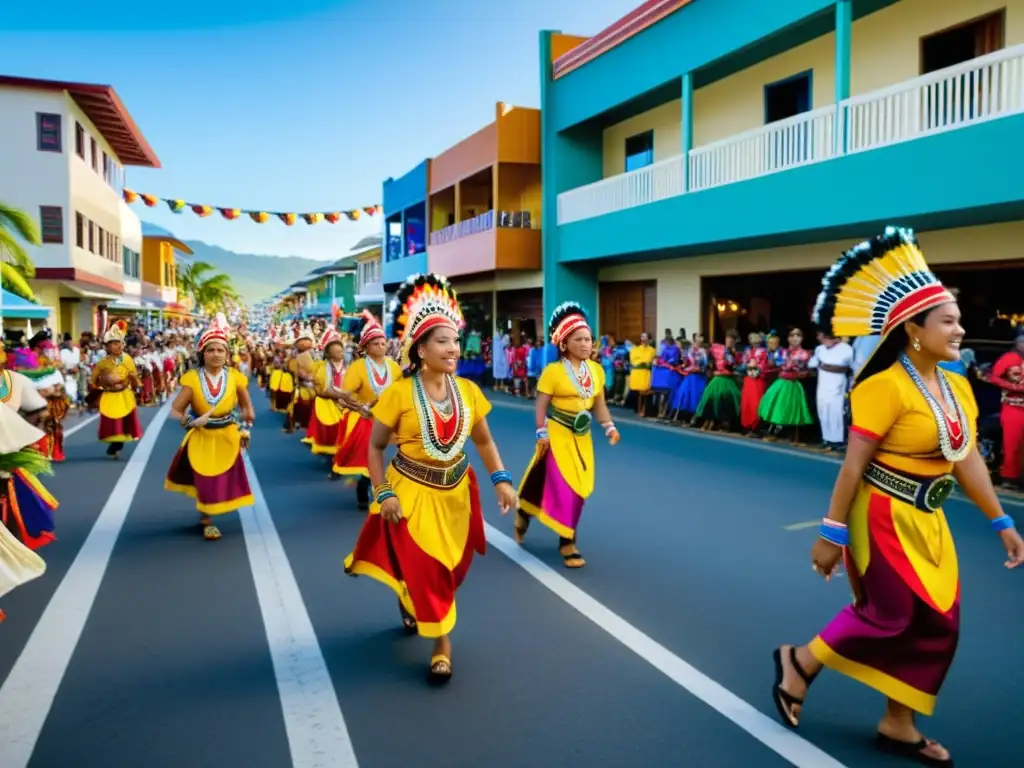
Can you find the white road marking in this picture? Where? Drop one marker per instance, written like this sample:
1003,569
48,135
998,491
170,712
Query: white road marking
28,693
757,445
81,425
317,734
783,742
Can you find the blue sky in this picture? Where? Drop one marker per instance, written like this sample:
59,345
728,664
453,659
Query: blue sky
294,105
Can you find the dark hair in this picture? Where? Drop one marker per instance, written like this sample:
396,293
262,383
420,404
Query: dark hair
889,349
415,361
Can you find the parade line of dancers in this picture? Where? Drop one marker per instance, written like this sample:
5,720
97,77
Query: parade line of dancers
913,439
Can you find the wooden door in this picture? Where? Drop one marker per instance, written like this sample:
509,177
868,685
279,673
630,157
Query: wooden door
628,309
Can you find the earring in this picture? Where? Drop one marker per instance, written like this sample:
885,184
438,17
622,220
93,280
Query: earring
916,344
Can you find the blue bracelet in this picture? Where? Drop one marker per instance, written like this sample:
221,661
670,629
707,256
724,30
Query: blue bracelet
1003,523
501,476
384,496
838,536
542,433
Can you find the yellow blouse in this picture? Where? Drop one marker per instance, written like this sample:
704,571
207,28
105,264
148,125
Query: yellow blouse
556,382
889,407
397,410
640,377
115,405
357,379
235,380
212,452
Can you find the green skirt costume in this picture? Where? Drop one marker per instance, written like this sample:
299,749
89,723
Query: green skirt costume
720,402
785,405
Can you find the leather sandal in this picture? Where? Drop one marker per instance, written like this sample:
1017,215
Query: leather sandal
784,700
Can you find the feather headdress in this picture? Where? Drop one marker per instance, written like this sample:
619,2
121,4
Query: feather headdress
372,329
116,332
421,303
566,320
217,330
876,286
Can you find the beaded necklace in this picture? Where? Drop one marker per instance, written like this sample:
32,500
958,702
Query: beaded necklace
379,375
580,378
334,374
954,433
434,445
213,390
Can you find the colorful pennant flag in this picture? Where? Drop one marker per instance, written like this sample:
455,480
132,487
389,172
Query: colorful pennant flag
260,217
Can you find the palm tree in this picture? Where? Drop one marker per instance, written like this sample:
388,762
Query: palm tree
16,265
208,288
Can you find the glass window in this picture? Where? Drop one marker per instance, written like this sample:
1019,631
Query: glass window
640,150
48,136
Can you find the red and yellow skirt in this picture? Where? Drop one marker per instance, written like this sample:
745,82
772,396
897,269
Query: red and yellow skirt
350,458
209,468
328,425
119,417
425,557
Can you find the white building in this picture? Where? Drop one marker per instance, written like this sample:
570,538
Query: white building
63,150
369,286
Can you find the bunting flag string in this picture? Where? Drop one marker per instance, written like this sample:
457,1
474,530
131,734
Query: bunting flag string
260,217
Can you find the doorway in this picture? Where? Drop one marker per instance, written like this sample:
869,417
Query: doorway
784,99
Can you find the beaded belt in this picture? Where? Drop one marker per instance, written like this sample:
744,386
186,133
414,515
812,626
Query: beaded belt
578,423
441,478
219,422
927,494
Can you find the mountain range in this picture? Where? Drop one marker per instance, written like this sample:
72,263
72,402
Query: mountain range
254,276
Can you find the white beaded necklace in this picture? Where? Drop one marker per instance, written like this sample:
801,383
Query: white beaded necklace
381,370
213,400
581,378
951,453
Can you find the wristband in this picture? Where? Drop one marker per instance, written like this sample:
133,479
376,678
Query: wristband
501,476
542,433
383,496
1003,523
609,427
834,533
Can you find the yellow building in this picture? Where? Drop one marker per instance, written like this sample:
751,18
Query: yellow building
160,270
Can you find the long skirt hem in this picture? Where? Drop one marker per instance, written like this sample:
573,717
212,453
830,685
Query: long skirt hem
218,495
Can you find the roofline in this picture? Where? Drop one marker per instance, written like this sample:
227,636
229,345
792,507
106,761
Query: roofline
176,244
104,108
634,22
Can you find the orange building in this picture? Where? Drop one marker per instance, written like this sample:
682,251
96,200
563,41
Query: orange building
483,214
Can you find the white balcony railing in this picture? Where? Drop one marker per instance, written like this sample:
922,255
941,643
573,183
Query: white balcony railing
978,90
799,140
373,288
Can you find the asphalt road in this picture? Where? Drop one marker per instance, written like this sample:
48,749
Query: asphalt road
146,646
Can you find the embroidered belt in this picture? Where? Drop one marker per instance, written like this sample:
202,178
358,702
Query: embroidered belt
642,367
441,478
219,422
927,494
578,423
1015,400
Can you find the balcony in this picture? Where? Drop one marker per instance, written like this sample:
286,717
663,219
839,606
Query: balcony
491,241
921,112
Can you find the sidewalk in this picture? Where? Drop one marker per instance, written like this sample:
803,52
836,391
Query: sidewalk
624,416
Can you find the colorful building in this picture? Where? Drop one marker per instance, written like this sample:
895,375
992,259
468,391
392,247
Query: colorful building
369,288
66,146
705,161
160,250
484,222
405,227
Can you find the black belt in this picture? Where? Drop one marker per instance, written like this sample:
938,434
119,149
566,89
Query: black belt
927,494
577,423
220,422
442,478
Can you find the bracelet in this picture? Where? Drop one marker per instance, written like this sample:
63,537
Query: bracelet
501,476
542,433
381,487
609,427
1003,523
834,533
383,496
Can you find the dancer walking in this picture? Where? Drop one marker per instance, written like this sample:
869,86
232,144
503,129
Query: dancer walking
365,382
209,466
114,379
560,476
328,419
426,521
913,437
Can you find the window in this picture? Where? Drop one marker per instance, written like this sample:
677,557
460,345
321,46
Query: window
79,140
106,168
79,230
94,155
101,240
48,127
51,219
640,150
963,42
92,237
130,259
787,98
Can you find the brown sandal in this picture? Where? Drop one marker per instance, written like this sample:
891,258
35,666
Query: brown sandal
520,525
571,556
784,700
440,669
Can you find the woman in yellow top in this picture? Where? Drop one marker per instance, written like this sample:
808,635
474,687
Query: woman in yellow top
365,381
641,364
560,476
281,382
115,377
302,367
914,436
426,522
328,420
209,466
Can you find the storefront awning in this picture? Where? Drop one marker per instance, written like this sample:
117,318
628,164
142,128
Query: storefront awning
89,291
14,307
